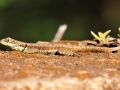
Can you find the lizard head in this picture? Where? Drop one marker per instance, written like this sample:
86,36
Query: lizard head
12,44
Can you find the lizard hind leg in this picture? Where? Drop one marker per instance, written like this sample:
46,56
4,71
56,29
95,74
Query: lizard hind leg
66,52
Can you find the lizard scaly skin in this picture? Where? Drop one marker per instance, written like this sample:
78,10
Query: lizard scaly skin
44,48
51,48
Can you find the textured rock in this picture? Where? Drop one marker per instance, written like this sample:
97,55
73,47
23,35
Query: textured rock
90,71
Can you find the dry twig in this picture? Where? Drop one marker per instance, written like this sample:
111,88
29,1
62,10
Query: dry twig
60,33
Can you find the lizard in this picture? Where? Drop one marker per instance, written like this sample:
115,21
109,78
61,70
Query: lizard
41,47
52,48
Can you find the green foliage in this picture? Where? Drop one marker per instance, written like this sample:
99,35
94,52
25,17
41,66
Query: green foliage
32,20
101,36
5,3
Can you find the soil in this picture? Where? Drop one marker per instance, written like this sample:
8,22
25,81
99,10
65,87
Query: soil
90,71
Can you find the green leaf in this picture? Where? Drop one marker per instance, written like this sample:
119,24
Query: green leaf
97,37
101,36
119,31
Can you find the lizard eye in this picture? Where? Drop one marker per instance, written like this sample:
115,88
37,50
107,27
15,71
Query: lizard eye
8,40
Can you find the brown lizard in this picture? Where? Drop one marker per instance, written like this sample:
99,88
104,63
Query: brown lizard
51,48
44,48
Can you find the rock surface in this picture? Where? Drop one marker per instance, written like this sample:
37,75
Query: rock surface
90,71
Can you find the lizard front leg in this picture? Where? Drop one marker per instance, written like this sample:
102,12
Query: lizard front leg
51,50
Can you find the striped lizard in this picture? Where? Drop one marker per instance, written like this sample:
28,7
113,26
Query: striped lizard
52,48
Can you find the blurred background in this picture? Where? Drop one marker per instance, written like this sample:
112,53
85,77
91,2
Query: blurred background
33,20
